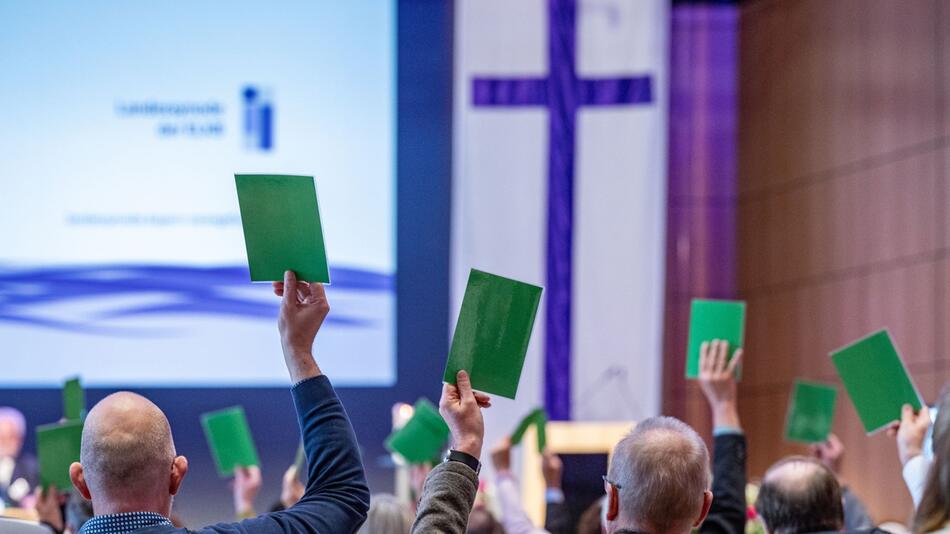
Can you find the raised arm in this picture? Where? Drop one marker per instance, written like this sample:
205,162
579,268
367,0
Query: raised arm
449,491
336,498
717,378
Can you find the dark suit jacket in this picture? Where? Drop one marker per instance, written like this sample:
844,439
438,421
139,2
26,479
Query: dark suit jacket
336,499
727,515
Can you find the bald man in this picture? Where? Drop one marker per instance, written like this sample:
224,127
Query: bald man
130,470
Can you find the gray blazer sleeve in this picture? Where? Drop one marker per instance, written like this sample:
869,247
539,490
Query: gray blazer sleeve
447,499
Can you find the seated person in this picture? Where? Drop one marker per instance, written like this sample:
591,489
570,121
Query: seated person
830,453
18,470
130,471
387,516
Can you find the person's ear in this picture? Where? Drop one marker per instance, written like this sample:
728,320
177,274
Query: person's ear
613,502
707,502
179,470
78,478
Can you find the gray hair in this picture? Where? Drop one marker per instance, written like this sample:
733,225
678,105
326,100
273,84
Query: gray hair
386,516
14,416
662,470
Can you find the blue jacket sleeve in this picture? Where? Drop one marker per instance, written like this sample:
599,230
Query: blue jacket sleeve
336,499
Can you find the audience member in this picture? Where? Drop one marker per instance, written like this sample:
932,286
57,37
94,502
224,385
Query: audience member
830,453
450,488
246,485
928,479
18,470
514,519
130,471
387,516
800,495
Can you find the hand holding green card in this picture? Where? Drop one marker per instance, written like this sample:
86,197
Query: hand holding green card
876,380
492,333
57,447
713,319
282,229
423,436
811,411
229,438
74,400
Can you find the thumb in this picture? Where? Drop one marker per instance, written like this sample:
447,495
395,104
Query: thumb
907,414
464,384
290,287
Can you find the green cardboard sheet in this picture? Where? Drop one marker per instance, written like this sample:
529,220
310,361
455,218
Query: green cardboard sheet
300,462
57,446
811,411
538,418
74,400
492,333
423,437
282,230
230,440
713,319
876,380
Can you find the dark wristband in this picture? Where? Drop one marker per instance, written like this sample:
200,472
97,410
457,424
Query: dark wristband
465,458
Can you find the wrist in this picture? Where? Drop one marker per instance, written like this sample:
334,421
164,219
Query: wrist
726,414
470,446
909,453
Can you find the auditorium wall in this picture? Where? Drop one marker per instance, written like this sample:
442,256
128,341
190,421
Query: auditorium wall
842,214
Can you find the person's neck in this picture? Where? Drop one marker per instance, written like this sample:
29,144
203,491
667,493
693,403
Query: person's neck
161,507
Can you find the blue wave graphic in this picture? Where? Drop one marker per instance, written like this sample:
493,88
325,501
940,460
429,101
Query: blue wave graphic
25,294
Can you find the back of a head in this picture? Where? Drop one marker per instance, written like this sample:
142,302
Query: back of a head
386,516
127,449
480,521
662,470
12,431
934,510
799,495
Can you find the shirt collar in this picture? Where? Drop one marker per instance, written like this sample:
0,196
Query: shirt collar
123,523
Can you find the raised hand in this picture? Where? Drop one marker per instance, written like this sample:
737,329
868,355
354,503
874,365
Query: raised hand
247,484
49,507
501,456
911,432
302,310
553,469
829,453
291,489
717,378
461,406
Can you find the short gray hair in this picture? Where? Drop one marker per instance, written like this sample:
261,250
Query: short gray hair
662,470
15,417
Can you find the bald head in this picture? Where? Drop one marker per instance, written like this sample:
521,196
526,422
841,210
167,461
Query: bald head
127,454
799,495
662,470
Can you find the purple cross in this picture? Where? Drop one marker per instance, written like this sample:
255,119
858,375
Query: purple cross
563,93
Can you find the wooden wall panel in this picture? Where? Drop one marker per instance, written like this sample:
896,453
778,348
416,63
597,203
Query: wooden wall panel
843,158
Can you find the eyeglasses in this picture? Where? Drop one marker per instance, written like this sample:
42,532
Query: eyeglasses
611,482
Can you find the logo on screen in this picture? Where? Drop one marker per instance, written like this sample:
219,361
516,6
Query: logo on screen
258,119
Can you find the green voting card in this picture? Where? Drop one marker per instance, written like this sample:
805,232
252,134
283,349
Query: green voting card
492,333
538,418
811,411
74,400
300,462
876,380
57,446
423,437
282,230
229,438
713,319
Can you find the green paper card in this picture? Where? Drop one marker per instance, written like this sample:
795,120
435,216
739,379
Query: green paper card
57,446
282,230
229,438
423,437
530,419
713,319
542,422
492,333
811,411
74,400
876,380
